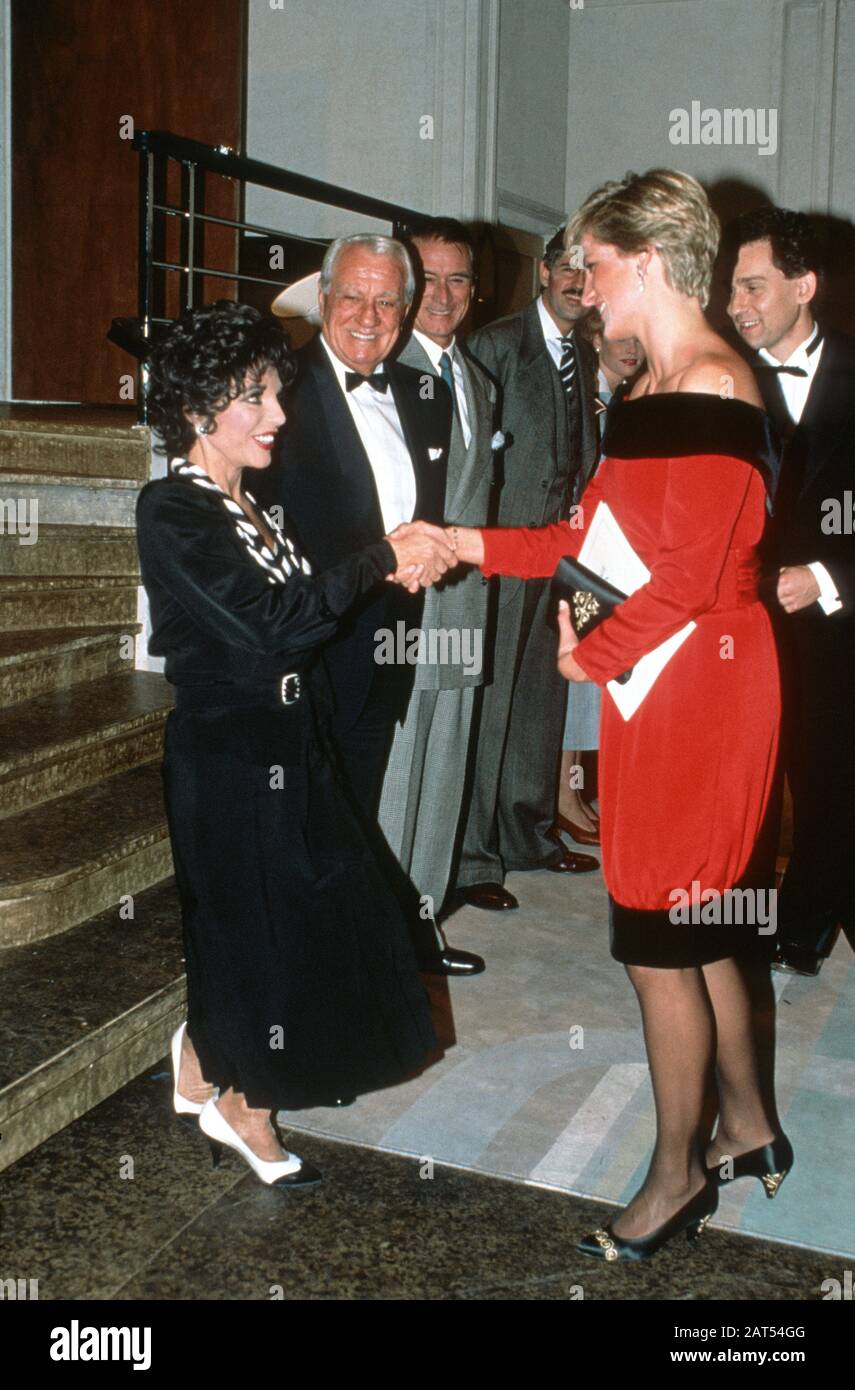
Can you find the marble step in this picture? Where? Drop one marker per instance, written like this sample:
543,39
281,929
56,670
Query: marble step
65,861
32,663
84,600
69,550
83,1013
67,739
67,443
67,499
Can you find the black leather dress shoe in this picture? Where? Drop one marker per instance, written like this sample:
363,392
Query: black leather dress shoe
453,962
493,897
796,960
572,863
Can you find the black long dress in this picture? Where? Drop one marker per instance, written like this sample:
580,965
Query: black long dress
302,985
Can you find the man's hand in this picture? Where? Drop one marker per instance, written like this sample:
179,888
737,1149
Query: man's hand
422,552
797,588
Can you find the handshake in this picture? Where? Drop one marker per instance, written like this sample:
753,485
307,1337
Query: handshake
424,554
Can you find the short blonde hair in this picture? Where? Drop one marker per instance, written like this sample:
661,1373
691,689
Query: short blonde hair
662,208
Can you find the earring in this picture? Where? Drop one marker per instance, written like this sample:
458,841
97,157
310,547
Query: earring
203,429
640,280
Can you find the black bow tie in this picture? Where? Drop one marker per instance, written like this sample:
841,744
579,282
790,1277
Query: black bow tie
378,380
792,371
781,371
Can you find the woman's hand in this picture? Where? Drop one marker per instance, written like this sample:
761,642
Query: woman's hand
567,641
467,542
408,577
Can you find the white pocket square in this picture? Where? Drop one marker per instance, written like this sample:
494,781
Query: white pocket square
498,440
434,454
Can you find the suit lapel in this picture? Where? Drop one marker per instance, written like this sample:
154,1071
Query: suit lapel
589,431
826,419
479,455
776,406
538,377
430,473
465,465
345,445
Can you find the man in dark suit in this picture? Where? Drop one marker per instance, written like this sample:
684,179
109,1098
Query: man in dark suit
364,450
807,378
546,376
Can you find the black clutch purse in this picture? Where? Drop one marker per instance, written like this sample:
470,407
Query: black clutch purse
590,598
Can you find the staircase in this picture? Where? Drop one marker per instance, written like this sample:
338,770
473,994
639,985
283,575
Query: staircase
90,942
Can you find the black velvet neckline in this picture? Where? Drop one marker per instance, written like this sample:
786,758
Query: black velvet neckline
675,424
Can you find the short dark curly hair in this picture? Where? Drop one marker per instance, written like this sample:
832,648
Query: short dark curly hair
202,364
794,244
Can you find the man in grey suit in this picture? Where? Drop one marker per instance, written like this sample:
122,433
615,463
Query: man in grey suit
547,381
424,782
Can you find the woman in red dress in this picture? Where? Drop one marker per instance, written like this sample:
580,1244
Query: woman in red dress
685,780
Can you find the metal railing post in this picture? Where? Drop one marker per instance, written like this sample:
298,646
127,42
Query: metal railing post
188,232
159,151
145,270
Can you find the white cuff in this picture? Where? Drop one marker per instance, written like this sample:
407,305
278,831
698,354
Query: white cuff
829,599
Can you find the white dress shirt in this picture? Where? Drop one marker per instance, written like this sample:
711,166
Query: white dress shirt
795,390
434,352
376,418
551,332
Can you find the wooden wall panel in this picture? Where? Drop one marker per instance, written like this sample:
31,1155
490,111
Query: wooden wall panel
79,67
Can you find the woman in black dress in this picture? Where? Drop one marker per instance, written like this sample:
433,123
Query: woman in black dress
302,986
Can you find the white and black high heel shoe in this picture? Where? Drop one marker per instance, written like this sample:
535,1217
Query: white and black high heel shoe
180,1104
288,1172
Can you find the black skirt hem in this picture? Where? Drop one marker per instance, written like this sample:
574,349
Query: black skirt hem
651,937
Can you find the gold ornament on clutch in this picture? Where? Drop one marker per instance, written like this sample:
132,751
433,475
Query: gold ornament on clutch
585,607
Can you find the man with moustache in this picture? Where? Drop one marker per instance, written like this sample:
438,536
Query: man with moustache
807,377
364,449
424,784
547,381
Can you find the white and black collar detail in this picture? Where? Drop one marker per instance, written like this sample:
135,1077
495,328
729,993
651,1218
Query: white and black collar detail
279,563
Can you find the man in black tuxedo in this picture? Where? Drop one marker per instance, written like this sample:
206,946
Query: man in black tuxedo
807,378
363,450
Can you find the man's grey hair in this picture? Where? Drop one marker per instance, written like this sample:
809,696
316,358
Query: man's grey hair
380,246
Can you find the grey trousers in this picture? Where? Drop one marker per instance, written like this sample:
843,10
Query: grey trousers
423,787
519,742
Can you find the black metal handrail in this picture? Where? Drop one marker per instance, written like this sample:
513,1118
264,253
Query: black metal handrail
155,148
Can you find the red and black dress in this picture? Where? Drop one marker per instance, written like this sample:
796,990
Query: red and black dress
685,782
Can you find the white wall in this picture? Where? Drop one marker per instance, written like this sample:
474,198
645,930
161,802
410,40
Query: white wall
533,113
633,61
341,90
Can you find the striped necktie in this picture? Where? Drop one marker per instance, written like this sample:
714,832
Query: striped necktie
567,366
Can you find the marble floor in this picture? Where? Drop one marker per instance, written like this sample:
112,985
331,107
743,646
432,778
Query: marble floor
544,1077
472,1181
124,1204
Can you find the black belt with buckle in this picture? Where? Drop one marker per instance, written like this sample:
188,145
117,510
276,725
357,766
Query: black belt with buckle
290,688
276,691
